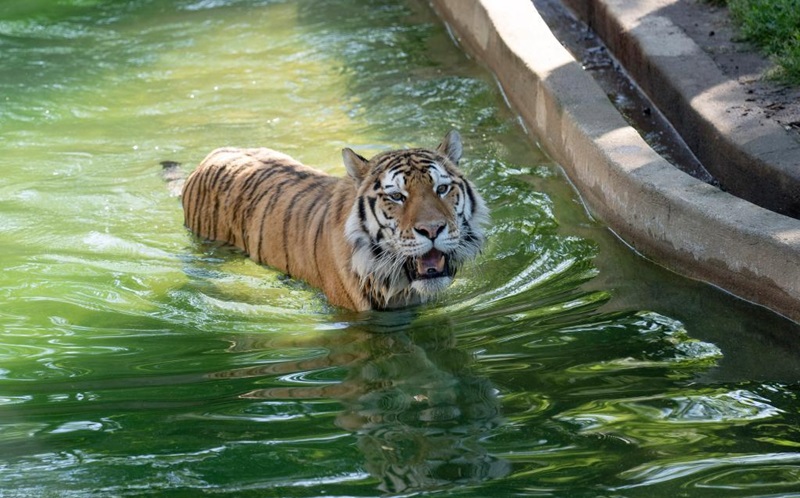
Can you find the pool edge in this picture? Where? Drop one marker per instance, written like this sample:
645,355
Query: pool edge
677,221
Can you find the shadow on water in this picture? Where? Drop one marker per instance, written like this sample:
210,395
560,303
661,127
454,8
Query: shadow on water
410,396
535,385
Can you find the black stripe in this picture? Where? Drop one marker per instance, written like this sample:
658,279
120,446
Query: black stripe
372,201
190,203
189,191
213,211
255,187
267,170
362,212
285,230
314,207
287,217
251,203
471,196
215,178
201,199
212,230
318,236
275,191
262,176
254,180
209,179
396,167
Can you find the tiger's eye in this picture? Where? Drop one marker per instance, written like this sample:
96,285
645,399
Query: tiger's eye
397,197
442,189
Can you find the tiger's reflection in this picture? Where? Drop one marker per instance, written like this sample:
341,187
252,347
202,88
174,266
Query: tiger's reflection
411,398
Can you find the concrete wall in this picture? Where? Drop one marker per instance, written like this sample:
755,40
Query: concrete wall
678,221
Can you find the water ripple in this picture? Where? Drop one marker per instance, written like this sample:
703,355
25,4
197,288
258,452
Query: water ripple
728,472
137,360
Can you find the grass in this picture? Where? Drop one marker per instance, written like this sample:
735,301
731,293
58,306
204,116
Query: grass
774,27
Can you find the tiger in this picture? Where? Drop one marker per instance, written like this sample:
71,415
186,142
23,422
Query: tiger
391,233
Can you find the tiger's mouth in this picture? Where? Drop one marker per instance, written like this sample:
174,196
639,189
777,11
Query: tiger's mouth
432,264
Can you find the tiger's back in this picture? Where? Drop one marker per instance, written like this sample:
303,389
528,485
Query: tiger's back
276,210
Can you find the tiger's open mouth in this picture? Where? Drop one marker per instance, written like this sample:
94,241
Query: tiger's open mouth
432,264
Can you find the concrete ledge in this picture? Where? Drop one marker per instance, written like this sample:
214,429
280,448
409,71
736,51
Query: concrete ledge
669,216
757,161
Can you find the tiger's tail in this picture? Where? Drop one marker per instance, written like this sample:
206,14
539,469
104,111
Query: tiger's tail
173,174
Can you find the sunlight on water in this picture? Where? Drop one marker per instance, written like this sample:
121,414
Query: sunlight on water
136,360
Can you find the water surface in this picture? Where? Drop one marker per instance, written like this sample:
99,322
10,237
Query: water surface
137,360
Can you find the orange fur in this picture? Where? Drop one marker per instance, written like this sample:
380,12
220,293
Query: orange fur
330,231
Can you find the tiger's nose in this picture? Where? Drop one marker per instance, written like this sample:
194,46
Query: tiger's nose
429,230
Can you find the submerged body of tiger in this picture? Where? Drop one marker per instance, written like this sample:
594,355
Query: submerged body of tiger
392,233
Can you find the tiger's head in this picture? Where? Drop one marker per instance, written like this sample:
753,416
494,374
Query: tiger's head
415,221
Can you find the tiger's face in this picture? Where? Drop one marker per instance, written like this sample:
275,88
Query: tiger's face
415,221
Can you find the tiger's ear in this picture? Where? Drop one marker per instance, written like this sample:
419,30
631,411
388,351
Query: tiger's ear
356,166
451,146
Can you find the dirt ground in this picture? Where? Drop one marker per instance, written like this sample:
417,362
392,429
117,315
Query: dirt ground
712,29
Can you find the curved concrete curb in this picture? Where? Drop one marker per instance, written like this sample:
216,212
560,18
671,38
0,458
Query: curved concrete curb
754,159
669,216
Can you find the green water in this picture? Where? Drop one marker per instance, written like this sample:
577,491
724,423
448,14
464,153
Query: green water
135,360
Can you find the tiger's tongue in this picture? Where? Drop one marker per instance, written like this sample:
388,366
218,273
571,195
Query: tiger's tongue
431,263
